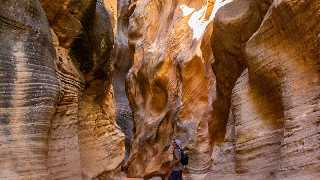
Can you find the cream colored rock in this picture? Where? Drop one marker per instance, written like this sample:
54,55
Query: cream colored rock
29,90
57,114
282,55
87,141
64,150
238,81
274,102
112,7
234,25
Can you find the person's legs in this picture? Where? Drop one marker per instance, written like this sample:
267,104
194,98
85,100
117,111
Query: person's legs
180,175
175,175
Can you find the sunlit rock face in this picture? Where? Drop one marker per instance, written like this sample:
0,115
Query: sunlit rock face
170,85
237,81
112,8
256,113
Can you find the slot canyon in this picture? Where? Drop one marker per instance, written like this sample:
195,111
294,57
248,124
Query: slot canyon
99,89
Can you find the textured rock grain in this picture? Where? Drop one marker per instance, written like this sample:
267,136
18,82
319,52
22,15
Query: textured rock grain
237,81
57,114
29,90
275,101
283,55
122,61
87,107
169,84
263,123
66,17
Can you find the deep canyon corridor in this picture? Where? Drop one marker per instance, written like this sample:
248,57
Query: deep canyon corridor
99,89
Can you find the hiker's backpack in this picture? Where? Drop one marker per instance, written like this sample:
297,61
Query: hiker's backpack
184,157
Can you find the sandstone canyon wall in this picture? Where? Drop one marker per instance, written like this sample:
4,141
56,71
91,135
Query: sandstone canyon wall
57,105
29,90
98,89
170,84
256,115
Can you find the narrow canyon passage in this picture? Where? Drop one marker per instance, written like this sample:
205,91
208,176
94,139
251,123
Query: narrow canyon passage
99,89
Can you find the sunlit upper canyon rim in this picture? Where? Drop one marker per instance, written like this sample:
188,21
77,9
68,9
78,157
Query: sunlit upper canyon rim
112,89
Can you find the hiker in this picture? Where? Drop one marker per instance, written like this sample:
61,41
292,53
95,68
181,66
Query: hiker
179,160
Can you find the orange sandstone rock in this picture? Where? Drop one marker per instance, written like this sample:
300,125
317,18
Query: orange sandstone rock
170,84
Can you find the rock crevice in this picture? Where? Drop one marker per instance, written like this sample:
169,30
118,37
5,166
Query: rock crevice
98,89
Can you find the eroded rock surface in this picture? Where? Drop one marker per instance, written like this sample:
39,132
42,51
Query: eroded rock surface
66,17
98,142
237,81
122,61
170,84
29,90
59,103
272,139
259,126
283,59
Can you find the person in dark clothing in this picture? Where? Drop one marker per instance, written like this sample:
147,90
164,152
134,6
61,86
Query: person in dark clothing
176,173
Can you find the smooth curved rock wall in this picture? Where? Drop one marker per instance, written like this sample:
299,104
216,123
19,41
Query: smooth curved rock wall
98,89
170,84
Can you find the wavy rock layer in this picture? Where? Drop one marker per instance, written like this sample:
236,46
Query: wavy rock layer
290,71
237,81
98,145
257,112
57,111
170,84
29,90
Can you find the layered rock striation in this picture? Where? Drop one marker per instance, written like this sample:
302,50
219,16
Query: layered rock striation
252,116
98,89
56,91
29,90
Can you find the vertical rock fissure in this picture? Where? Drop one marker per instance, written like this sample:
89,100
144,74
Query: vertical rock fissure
122,62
